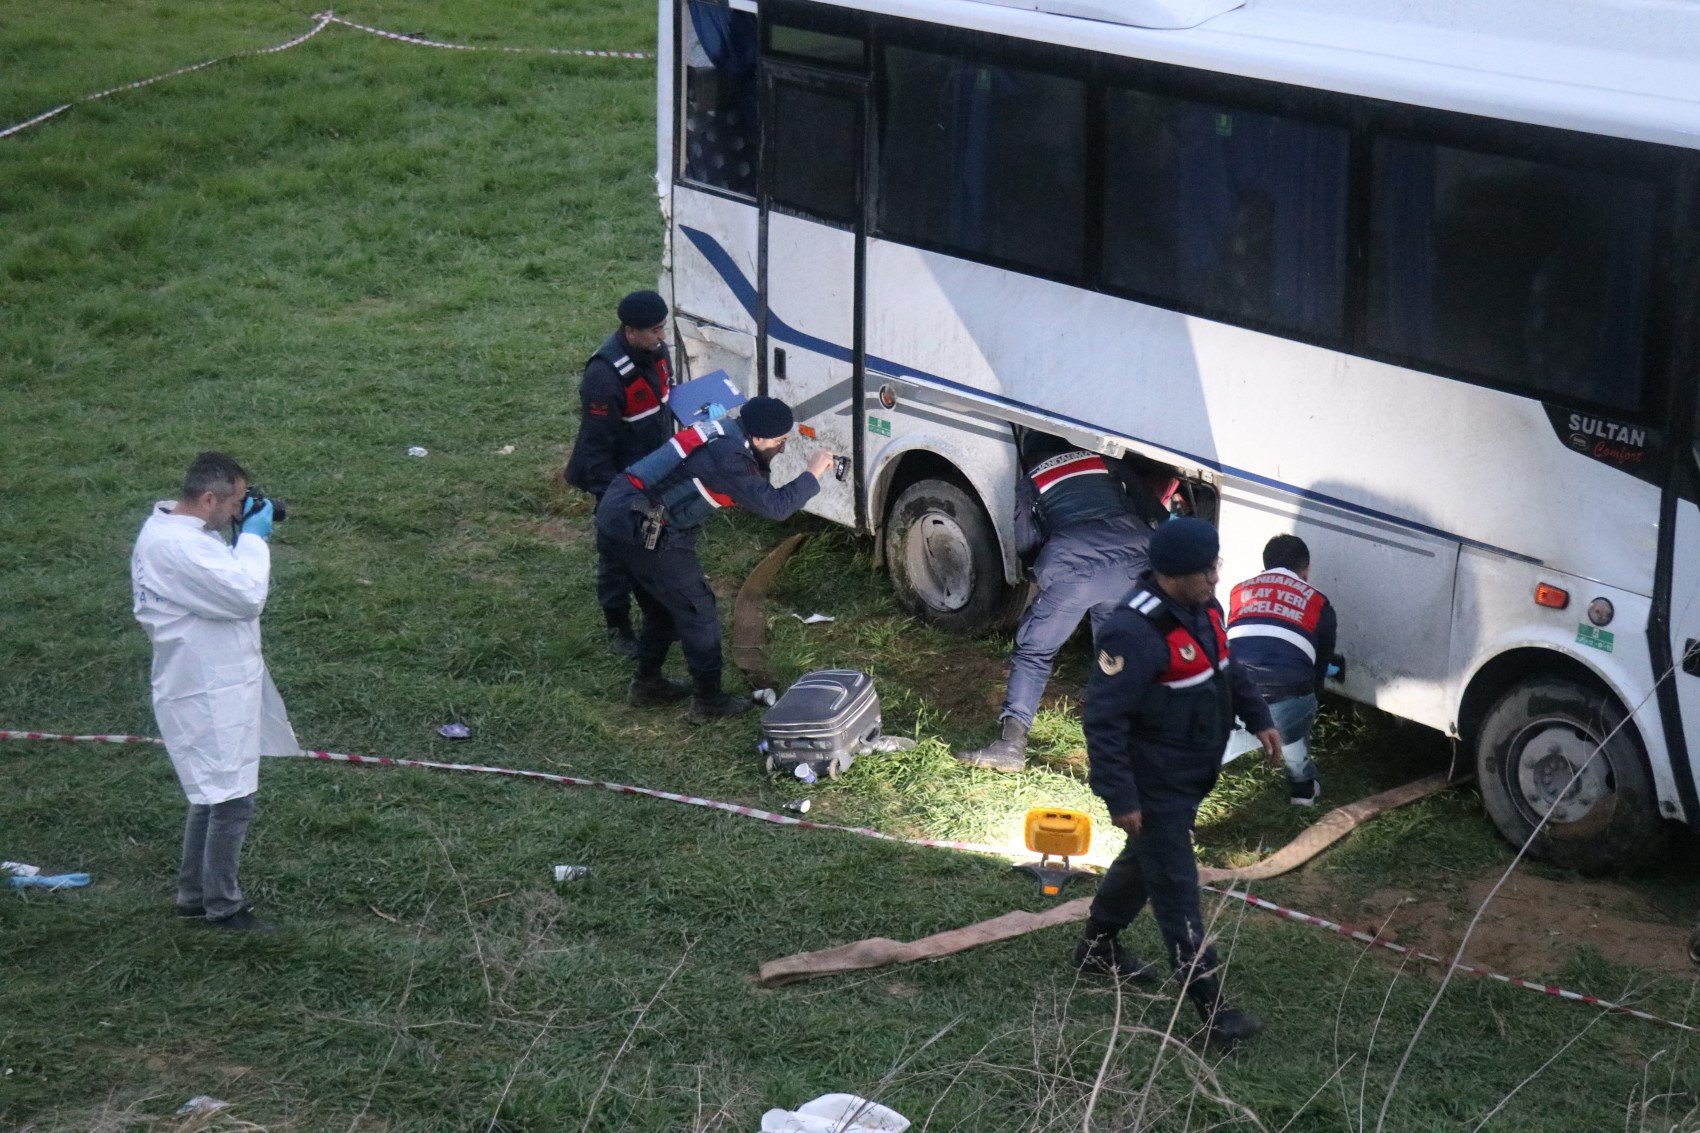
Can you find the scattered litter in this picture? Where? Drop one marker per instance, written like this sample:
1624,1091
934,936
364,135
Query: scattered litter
886,743
571,872
201,1103
804,772
455,732
364,581
418,450
21,869
814,619
57,881
801,806
505,450
765,696
835,1113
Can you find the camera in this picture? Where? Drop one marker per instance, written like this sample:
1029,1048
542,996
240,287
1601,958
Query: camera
256,498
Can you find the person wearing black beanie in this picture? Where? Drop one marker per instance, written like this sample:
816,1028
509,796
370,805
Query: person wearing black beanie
1160,706
647,526
623,397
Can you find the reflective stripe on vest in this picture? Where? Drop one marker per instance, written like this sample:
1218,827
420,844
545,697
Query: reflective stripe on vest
1189,665
641,401
1277,604
1048,474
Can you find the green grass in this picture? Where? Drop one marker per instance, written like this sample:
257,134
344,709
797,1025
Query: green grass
318,258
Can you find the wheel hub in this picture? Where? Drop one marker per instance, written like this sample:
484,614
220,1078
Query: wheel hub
940,562
1551,754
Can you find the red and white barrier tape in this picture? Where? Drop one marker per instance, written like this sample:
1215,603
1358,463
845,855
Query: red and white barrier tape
324,20
1256,902
565,781
581,52
321,22
1372,939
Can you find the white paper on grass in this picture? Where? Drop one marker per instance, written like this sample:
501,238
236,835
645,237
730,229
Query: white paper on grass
835,1113
814,619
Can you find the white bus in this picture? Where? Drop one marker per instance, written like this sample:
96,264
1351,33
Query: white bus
1417,282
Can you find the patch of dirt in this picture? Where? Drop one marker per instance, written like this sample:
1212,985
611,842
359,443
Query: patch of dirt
1534,927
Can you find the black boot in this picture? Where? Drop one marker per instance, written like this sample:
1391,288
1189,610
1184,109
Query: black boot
620,637
1098,952
1007,753
710,702
651,690
1227,1024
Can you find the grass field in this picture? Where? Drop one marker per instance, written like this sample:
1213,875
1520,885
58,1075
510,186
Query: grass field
318,258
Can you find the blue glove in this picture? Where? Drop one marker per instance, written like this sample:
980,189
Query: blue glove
57,881
258,521
714,410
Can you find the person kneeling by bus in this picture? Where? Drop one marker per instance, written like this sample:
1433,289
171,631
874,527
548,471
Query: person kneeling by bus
1159,706
1283,630
647,525
1087,519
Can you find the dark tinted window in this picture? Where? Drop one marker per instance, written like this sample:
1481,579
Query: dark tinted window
722,97
985,160
817,150
1524,273
1226,211
819,46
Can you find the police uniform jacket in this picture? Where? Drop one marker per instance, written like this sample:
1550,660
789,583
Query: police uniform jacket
1160,704
718,469
1079,512
623,396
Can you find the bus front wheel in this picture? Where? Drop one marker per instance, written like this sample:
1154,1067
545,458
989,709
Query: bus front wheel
942,553
1554,748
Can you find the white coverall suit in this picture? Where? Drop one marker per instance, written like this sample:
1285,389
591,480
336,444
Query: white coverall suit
199,599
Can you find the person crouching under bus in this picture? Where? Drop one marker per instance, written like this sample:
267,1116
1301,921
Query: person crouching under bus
1283,631
647,525
1088,519
1159,707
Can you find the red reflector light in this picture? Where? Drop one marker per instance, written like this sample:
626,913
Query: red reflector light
807,430
1551,596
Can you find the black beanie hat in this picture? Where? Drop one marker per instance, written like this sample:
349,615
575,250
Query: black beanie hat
1184,546
642,309
765,417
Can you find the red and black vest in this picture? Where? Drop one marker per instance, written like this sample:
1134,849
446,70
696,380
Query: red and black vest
1274,618
1190,704
1075,487
689,502
641,399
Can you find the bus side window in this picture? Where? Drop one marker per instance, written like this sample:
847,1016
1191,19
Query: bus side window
722,96
1226,211
984,159
1526,274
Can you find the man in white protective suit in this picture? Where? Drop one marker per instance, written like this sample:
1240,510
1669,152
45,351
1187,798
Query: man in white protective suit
199,596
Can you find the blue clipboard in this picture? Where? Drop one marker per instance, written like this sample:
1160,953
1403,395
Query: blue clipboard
688,401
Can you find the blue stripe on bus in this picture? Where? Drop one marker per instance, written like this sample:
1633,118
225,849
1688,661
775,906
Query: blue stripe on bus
744,291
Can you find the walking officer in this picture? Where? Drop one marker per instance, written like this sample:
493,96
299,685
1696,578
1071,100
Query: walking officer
1159,707
623,398
1088,519
647,526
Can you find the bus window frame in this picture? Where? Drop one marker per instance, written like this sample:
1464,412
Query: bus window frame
681,95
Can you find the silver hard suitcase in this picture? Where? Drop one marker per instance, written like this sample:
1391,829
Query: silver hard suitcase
824,720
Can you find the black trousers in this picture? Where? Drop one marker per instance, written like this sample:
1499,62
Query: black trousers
1158,865
677,605
614,587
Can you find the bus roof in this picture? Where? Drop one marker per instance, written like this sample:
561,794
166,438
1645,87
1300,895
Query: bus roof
1623,68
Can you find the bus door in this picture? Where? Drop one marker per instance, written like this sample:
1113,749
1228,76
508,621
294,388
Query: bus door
1684,616
812,236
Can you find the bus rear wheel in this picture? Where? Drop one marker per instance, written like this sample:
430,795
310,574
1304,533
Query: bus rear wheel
1535,757
942,553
